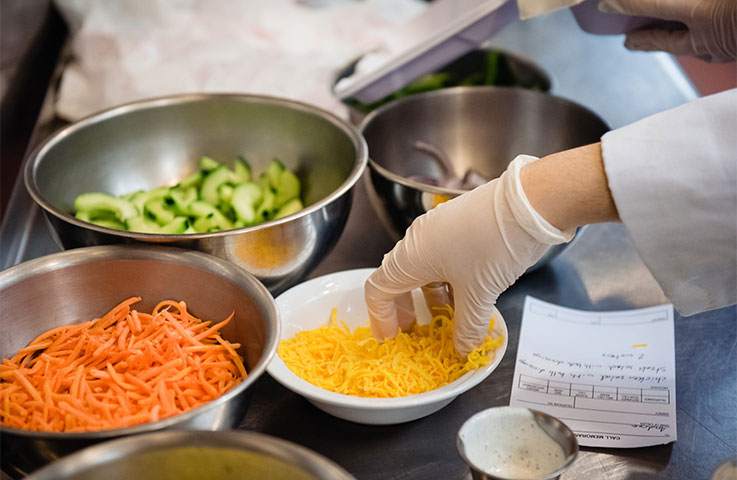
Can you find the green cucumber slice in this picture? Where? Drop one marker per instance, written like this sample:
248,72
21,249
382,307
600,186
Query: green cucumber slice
198,208
212,222
129,196
266,209
207,164
193,180
142,225
178,225
292,206
212,183
181,199
225,194
122,209
263,182
245,199
287,188
140,199
273,172
84,216
242,170
159,212
109,223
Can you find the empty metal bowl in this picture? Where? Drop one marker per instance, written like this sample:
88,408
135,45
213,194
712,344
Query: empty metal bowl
82,284
194,455
479,129
157,142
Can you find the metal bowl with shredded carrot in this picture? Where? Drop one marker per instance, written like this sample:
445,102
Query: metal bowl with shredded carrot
122,369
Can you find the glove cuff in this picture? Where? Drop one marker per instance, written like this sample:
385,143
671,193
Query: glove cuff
528,218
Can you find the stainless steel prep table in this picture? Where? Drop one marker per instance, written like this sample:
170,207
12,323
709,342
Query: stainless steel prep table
601,271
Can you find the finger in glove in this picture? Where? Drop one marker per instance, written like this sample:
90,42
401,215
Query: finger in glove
436,295
388,313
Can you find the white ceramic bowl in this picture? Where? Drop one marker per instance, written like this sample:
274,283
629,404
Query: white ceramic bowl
307,306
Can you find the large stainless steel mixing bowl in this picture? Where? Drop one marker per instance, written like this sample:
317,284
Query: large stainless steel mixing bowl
158,142
482,128
195,456
82,284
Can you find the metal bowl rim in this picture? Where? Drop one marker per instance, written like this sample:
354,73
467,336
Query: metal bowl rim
453,91
484,48
42,149
81,256
96,456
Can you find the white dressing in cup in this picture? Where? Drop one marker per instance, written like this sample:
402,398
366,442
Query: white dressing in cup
509,443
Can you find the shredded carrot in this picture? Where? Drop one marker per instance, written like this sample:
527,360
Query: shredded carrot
355,363
119,370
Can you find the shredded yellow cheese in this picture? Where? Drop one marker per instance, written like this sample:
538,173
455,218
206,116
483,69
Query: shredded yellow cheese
355,363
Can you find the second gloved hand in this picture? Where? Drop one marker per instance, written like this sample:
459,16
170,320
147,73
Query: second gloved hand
479,243
710,33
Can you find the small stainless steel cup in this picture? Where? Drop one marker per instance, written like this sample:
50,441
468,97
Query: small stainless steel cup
494,439
727,470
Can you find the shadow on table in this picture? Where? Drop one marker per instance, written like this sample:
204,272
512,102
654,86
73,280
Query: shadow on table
423,448
560,283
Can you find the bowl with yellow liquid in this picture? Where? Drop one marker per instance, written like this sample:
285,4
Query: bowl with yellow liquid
193,455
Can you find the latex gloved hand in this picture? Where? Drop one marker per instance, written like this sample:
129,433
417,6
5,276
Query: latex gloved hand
710,33
479,243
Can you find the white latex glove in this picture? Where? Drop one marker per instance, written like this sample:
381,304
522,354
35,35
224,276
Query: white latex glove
479,243
711,32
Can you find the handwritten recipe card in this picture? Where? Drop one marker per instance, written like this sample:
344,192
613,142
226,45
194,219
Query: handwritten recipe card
609,376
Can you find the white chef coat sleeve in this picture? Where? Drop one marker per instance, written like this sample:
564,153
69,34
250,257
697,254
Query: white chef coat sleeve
673,177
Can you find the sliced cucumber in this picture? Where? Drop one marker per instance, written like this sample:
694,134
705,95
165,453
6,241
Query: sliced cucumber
207,164
292,206
158,211
225,194
109,223
129,196
212,183
287,188
193,180
178,225
245,199
198,208
84,216
265,210
91,215
263,182
103,218
140,199
142,225
242,170
214,198
182,198
273,172
122,209
212,222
